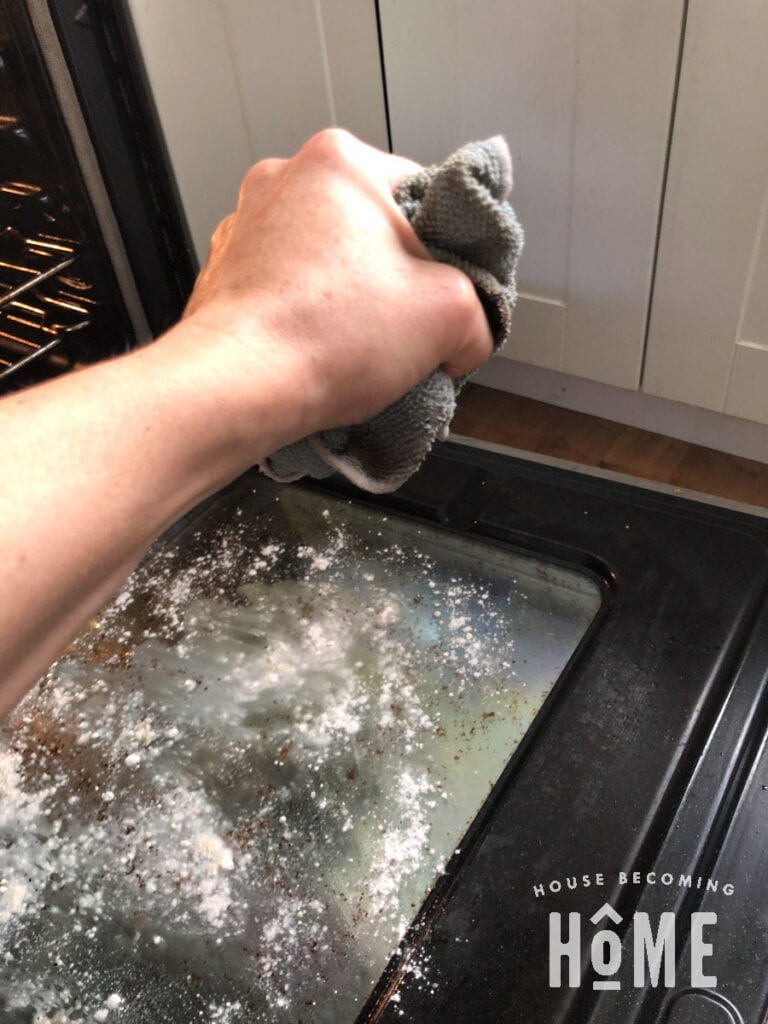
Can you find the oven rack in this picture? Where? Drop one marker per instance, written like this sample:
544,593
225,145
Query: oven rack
42,300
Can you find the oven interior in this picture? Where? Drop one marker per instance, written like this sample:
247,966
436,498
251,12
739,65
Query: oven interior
94,253
55,278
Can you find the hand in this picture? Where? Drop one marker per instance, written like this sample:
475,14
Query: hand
318,281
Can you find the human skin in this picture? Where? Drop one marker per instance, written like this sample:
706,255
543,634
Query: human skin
317,307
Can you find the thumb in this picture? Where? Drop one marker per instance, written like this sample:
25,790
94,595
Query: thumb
467,341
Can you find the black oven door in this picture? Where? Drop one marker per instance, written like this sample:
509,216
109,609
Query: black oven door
237,755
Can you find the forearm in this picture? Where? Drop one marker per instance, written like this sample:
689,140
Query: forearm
317,307
99,463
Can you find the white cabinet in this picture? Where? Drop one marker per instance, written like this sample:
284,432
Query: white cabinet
236,80
708,338
588,93
583,92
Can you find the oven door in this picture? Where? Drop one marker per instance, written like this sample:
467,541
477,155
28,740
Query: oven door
483,740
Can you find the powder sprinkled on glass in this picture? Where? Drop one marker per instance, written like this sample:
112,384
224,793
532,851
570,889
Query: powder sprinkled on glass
237,789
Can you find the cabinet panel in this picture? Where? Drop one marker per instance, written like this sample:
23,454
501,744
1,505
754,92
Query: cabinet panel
708,339
583,92
747,394
235,81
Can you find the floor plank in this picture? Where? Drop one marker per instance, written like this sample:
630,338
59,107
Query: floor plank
502,418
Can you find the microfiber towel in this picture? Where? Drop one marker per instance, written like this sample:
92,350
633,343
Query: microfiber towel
460,212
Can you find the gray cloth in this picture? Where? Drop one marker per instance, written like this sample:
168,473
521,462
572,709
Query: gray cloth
460,213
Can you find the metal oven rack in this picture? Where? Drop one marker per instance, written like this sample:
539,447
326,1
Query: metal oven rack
42,300
94,255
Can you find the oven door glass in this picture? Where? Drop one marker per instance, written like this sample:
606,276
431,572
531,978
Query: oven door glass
230,798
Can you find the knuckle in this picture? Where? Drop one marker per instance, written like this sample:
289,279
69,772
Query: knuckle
330,144
220,233
259,175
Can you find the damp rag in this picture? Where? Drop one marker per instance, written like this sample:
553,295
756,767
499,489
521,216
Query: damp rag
460,212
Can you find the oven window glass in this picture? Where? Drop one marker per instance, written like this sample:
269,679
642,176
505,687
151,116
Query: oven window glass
232,795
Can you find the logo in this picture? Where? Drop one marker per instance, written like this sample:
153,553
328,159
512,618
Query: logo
654,956
609,939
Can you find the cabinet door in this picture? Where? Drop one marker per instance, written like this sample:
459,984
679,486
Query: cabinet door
708,339
583,92
236,80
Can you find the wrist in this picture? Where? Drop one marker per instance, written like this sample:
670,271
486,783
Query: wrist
233,402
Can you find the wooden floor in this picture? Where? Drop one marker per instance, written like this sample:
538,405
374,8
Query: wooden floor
533,426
